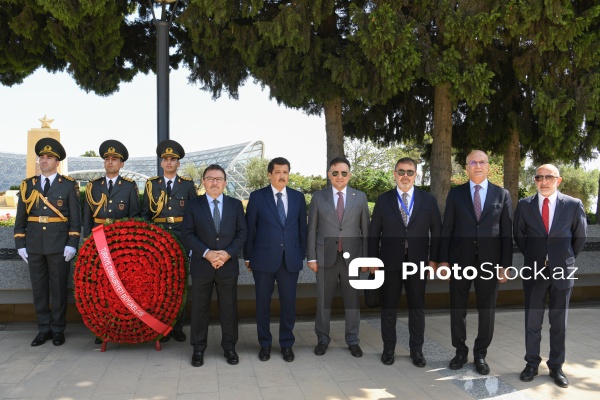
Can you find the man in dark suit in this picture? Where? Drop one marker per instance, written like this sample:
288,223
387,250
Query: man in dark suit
47,232
164,203
477,232
214,229
275,250
338,223
405,227
112,196
550,230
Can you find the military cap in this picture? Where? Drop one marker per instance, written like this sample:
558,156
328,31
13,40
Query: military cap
170,148
51,147
114,148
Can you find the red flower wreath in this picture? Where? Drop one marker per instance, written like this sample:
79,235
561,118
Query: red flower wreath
151,264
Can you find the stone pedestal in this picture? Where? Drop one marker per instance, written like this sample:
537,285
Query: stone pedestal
33,136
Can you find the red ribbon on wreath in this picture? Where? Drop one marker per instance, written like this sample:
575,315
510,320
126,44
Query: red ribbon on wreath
117,285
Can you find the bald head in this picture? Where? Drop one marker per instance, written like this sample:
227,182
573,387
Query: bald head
547,179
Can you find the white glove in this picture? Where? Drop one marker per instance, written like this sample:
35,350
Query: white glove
23,254
69,253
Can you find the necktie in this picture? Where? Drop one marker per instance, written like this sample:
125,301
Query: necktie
216,215
339,209
169,188
110,186
46,187
546,214
405,201
280,208
477,202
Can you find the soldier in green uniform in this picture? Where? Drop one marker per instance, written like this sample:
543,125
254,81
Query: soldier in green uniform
164,202
47,232
112,196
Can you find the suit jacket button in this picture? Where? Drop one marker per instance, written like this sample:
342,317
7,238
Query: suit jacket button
217,239
45,208
281,244
169,208
110,201
109,210
44,228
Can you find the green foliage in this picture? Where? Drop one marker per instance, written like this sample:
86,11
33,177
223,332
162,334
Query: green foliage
496,175
580,184
591,218
89,153
194,172
10,221
256,173
307,184
15,187
373,182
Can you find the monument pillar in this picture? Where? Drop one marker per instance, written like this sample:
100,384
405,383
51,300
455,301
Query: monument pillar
33,135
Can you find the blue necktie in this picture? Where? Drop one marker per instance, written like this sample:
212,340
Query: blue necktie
216,216
280,208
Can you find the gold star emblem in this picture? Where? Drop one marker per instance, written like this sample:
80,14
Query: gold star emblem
46,122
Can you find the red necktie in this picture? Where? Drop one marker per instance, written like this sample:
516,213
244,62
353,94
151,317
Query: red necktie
546,214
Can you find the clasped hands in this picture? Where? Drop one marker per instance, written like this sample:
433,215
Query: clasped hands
217,258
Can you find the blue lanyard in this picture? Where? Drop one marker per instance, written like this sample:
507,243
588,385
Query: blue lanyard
410,206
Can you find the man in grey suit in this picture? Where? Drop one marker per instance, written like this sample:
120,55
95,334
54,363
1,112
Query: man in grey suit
550,230
338,223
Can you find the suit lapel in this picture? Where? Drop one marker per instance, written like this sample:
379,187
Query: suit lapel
175,186
116,187
350,202
491,192
206,210
535,210
560,204
270,201
329,202
468,200
394,204
291,205
418,196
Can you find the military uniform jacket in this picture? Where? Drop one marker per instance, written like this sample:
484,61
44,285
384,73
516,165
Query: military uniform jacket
123,202
48,236
167,211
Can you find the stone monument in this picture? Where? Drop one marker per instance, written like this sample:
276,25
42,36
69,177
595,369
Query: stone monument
33,136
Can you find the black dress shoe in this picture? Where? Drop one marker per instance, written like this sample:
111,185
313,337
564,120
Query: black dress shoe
418,359
98,340
58,339
457,362
559,377
231,357
288,354
387,357
528,373
166,338
481,366
197,358
355,350
320,349
179,336
41,338
265,353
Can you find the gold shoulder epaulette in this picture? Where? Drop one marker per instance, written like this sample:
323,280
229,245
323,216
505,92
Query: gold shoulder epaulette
185,178
97,179
152,178
67,177
30,178
127,179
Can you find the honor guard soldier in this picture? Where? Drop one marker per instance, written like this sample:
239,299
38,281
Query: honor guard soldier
164,202
112,196
47,232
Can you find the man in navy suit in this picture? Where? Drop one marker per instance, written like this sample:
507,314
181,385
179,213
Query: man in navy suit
477,232
550,231
214,229
405,227
274,252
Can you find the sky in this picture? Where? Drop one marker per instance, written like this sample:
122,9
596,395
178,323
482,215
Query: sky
196,121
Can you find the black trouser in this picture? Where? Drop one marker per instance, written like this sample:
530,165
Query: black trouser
415,297
202,289
487,293
49,277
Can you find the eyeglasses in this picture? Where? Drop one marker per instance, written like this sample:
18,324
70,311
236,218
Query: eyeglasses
210,179
336,173
549,178
474,163
402,172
